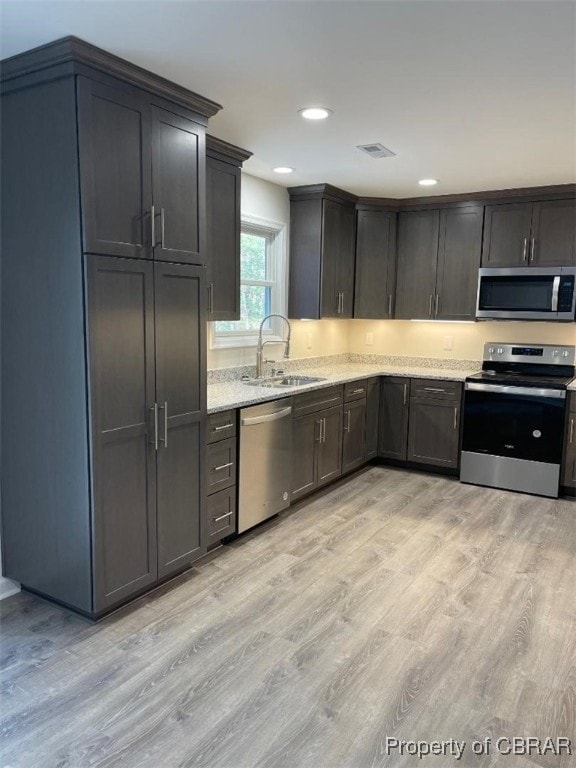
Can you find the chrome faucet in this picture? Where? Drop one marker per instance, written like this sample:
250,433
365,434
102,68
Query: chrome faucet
260,348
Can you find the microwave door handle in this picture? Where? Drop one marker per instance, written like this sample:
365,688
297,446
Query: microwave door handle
555,291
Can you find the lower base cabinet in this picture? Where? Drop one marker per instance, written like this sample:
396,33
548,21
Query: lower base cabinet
220,510
353,434
371,423
316,440
420,421
569,466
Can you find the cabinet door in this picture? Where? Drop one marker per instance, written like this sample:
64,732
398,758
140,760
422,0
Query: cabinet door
353,447
346,258
459,251
178,184
375,265
506,235
393,420
305,437
331,215
115,181
180,388
329,465
417,252
569,463
223,239
121,334
372,410
553,240
434,432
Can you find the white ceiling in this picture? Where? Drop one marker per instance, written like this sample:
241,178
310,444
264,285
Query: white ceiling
481,95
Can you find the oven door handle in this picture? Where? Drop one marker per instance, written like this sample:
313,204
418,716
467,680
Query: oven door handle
504,389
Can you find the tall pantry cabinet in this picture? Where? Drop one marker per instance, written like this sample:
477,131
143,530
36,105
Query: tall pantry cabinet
103,325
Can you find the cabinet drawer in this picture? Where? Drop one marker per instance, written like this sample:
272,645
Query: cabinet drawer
318,400
355,390
221,514
436,389
221,425
221,465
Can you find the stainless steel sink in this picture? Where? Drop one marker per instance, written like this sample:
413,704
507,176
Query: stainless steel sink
282,382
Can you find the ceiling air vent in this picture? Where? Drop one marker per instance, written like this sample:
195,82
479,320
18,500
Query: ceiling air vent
376,150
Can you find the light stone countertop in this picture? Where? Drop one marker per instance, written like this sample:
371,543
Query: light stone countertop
236,394
572,385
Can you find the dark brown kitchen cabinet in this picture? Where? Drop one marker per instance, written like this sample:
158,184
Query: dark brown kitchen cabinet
537,234
222,476
438,259
353,437
142,175
417,253
372,415
223,186
569,463
103,359
316,439
459,252
375,284
322,238
434,423
393,420
146,345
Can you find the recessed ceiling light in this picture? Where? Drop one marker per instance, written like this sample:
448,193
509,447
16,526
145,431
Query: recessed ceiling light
315,113
428,182
283,169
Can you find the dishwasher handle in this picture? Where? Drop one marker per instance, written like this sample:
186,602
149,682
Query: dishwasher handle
248,421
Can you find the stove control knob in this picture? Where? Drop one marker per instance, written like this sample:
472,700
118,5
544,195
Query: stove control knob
554,353
491,350
500,351
565,353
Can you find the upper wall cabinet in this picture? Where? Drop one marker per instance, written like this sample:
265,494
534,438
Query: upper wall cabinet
322,238
438,260
142,175
223,179
375,285
536,234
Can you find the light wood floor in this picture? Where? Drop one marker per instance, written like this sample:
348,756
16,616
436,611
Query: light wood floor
395,604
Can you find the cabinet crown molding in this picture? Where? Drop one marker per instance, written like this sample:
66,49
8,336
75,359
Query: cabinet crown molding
222,150
318,191
71,55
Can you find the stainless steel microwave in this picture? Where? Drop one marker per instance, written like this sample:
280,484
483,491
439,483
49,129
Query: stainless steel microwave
527,293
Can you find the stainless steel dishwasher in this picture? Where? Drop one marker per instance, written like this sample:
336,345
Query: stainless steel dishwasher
265,461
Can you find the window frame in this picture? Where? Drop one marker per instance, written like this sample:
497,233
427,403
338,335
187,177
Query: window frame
276,253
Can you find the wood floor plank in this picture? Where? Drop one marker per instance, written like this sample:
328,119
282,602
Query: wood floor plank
394,603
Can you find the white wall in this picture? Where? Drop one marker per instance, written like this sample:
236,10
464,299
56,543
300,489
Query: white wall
265,200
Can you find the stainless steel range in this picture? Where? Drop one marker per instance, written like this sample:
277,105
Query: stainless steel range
514,413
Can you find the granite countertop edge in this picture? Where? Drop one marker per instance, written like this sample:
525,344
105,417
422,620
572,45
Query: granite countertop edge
237,394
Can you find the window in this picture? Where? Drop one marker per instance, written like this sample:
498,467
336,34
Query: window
262,285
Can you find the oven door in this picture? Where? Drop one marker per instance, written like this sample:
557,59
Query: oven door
516,422
525,293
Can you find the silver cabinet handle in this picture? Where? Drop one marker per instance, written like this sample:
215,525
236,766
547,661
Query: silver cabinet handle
532,248
347,427
162,228
323,440
223,466
405,399
154,442
571,437
433,389
223,517
525,249
455,417
357,391
224,426
430,305
164,440
319,438
436,309
389,305
153,226
342,304
211,298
